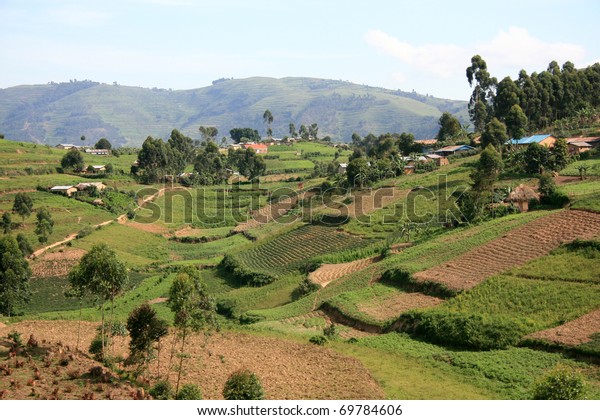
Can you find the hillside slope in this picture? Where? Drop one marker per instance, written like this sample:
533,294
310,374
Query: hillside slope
55,113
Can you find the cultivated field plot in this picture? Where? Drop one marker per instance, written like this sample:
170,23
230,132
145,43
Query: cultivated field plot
388,307
287,251
288,370
515,248
327,273
573,333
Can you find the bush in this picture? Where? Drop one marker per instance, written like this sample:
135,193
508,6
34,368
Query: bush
162,390
247,318
85,231
560,384
556,199
472,331
319,340
190,392
243,385
306,287
330,331
227,307
245,275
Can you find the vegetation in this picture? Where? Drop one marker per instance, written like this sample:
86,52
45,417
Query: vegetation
14,277
243,385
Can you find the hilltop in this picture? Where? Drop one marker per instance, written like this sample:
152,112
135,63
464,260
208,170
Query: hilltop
62,112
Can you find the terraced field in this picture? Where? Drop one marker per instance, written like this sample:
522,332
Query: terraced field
573,333
515,248
327,273
286,252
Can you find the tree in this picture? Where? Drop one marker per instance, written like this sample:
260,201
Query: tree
193,307
292,130
243,385
43,225
208,133
560,152
537,158
304,133
488,169
251,165
480,103
237,134
450,128
6,223
145,328
313,131
73,159
358,172
23,205
24,245
102,274
14,277
82,138
494,134
268,119
184,145
516,122
103,144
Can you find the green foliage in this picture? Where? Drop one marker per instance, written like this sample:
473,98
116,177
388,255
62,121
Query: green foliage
451,130
162,390
98,345
14,277
562,383
306,287
145,328
24,245
244,274
73,159
6,223
43,225
494,134
243,385
103,144
23,205
237,134
319,340
461,330
189,392
516,122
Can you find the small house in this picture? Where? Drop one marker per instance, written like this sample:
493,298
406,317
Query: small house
547,140
426,145
85,185
98,168
522,195
439,160
409,169
98,152
578,147
67,146
67,190
259,148
342,168
451,150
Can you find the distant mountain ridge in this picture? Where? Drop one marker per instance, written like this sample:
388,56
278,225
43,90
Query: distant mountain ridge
63,112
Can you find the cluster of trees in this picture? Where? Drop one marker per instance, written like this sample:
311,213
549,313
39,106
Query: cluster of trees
384,145
536,100
158,158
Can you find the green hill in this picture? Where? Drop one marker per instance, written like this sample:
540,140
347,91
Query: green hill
61,113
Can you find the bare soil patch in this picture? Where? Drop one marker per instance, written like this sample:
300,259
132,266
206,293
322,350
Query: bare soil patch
525,243
564,179
57,263
572,333
327,273
148,227
366,202
392,306
189,231
288,370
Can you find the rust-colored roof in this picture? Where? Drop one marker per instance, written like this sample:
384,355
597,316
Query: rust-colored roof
428,141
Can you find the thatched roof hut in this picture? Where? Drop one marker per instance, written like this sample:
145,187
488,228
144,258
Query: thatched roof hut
522,195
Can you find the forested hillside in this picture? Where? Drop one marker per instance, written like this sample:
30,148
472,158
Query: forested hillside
63,112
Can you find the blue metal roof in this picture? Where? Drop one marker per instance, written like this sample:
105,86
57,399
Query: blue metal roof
531,139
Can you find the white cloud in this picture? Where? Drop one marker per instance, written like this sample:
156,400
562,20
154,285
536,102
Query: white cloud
440,60
77,17
422,67
516,48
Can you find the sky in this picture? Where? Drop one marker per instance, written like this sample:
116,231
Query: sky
420,45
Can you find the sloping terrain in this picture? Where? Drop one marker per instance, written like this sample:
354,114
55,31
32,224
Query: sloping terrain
573,333
515,248
61,113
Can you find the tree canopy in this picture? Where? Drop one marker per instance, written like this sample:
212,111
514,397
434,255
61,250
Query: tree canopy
73,159
14,276
22,205
238,133
103,144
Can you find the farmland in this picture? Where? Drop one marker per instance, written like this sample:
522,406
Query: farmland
418,308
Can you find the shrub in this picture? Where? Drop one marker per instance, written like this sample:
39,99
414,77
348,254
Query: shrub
190,392
560,384
85,231
330,331
245,275
319,340
248,318
243,385
306,287
556,199
472,331
162,390
227,307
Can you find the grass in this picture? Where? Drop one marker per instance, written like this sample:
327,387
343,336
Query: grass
593,167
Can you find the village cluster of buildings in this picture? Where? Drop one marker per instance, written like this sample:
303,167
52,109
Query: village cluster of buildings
85,149
70,190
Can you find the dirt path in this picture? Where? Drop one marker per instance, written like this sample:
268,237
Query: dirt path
525,243
122,219
573,332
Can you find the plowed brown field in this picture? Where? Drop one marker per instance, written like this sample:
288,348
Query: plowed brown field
572,333
525,243
288,370
392,306
327,273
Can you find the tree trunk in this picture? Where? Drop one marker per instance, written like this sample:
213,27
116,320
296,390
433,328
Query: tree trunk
180,362
102,331
174,343
78,326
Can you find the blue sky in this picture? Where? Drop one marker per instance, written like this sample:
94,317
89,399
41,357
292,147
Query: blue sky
420,45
